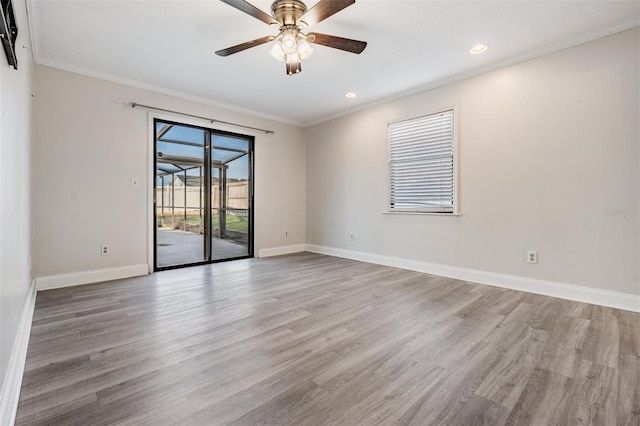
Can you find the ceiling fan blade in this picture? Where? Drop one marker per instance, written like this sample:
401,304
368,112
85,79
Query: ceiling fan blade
346,44
250,9
323,9
244,46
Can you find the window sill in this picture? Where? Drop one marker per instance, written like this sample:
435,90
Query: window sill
423,213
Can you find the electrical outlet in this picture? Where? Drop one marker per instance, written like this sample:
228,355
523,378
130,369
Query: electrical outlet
286,233
532,256
104,250
352,236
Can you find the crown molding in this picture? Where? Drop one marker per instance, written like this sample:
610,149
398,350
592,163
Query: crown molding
160,90
545,50
32,17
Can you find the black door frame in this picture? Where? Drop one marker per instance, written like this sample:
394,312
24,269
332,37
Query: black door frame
209,133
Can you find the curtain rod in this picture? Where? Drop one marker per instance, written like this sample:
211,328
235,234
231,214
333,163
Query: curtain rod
211,120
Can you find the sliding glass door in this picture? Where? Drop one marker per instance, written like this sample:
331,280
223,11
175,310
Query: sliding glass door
231,195
203,195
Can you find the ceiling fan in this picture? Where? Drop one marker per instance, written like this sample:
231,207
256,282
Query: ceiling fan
292,46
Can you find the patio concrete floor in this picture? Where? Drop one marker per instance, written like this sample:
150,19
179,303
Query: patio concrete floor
176,247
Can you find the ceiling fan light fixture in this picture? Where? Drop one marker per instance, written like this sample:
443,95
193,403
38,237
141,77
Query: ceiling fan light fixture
293,68
294,58
276,51
289,43
304,49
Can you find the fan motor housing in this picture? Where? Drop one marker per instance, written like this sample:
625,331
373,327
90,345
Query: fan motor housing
287,12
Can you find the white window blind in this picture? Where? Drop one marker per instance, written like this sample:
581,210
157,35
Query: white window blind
421,168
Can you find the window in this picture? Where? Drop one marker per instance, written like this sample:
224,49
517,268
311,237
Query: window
422,164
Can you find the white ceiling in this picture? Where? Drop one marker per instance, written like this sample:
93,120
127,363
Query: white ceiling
413,45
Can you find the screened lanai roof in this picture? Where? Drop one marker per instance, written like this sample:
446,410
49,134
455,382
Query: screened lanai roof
181,148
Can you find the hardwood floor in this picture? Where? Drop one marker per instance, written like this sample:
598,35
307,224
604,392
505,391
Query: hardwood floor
307,339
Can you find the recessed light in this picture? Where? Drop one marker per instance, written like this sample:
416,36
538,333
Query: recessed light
478,49
350,95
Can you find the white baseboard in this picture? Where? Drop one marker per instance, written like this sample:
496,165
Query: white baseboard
277,251
624,301
10,393
88,277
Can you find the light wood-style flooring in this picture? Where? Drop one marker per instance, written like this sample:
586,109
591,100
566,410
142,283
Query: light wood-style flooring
307,339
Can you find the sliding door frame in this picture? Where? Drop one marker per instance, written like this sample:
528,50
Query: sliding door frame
209,133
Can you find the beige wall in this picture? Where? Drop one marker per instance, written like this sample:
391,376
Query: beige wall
15,188
548,149
90,143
